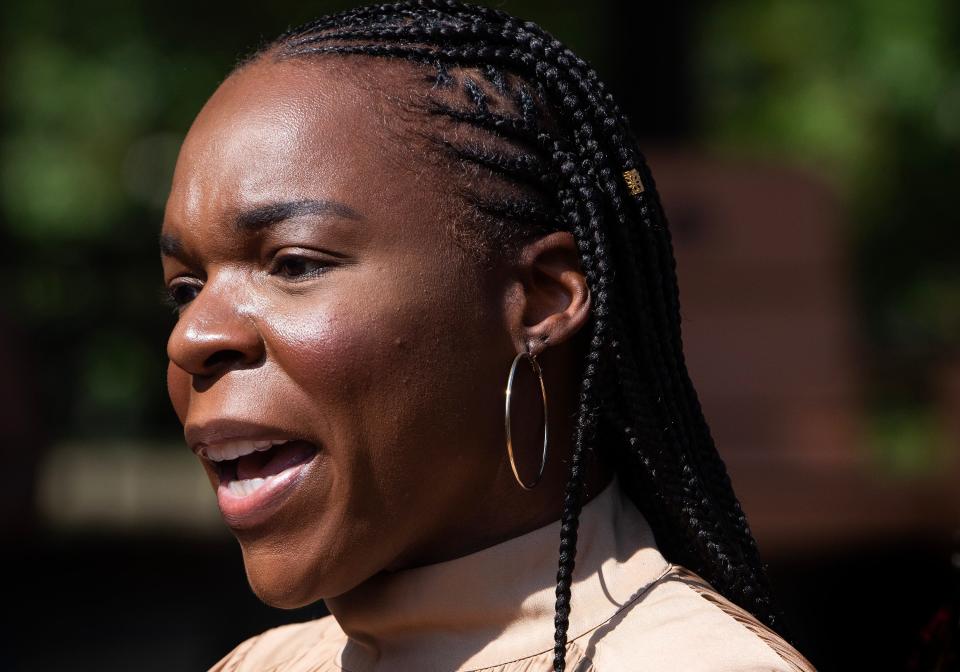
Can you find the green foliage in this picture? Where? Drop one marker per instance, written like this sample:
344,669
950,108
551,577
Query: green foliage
828,82
908,442
94,108
866,93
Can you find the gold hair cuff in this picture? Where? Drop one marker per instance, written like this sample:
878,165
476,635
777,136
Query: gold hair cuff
634,183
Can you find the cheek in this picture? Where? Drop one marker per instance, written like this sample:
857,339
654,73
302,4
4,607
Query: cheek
369,375
382,365
178,387
397,368
359,363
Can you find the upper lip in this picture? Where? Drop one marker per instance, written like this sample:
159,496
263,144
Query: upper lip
214,432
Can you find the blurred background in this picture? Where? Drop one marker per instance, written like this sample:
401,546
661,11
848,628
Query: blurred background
807,153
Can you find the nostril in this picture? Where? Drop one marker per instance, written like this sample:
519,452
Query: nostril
222,359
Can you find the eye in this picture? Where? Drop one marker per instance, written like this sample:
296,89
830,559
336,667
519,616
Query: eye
297,267
180,292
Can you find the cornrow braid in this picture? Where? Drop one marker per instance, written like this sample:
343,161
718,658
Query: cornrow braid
557,154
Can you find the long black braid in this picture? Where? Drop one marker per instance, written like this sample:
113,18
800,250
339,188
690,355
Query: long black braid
559,155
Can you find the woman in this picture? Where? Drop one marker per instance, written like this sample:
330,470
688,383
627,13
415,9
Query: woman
378,221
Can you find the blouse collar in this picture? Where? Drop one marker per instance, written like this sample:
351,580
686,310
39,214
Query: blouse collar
497,605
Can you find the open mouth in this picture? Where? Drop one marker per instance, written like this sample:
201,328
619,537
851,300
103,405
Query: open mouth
244,467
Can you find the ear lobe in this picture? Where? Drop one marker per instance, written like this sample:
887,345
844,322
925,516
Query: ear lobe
556,299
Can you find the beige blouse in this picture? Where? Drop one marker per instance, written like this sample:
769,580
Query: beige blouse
493,611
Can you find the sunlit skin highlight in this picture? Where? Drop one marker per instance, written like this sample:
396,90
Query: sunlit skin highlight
324,297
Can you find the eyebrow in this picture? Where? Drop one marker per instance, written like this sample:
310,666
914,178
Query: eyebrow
170,246
264,216
269,214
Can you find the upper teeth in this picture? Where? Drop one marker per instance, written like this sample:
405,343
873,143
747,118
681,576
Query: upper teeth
234,449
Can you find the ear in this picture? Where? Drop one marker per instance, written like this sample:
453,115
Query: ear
552,300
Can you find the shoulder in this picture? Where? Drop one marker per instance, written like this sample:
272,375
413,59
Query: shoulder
290,648
681,623
741,620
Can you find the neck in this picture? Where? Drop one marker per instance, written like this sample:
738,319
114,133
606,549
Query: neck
483,608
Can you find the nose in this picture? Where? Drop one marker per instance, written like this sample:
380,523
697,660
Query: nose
215,333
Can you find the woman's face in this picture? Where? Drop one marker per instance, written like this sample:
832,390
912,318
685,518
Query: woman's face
333,338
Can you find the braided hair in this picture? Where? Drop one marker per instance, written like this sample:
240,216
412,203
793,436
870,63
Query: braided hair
547,149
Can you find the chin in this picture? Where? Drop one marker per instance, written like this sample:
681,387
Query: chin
284,581
280,580
280,589
279,599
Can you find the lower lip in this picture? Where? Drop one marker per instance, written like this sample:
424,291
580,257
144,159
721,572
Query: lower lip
246,511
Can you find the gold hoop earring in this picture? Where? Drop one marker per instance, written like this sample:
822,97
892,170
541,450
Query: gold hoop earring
543,395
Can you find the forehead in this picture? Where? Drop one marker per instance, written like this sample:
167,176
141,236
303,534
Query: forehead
330,129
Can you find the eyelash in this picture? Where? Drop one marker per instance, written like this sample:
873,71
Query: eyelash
279,261
170,296
177,303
